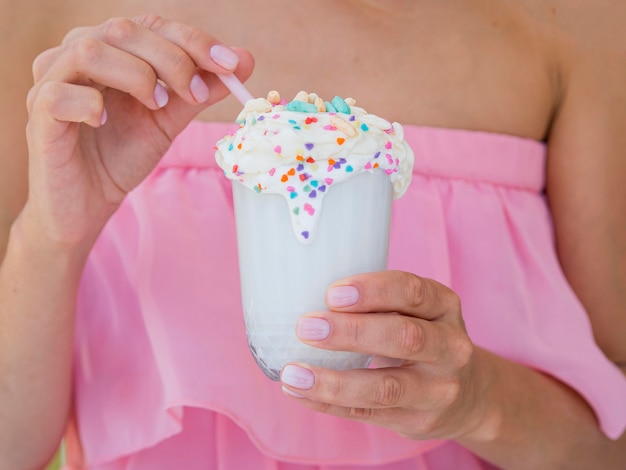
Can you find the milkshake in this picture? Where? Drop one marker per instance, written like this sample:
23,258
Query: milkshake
313,184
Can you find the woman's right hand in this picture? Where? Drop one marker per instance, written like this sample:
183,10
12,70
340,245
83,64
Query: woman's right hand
105,107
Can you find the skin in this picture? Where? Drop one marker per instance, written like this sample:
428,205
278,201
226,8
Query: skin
462,61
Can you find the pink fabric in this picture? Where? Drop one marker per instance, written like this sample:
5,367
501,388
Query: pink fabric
163,375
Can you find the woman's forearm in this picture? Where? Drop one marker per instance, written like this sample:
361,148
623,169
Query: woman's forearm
540,423
38,284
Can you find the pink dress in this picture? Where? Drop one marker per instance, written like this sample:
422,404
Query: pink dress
163,375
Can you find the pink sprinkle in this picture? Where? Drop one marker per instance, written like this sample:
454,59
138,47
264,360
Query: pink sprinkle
368,165
388,145
277,149
389,171
329,127
291,189
275,116
389,158
309,208
329,180
272,171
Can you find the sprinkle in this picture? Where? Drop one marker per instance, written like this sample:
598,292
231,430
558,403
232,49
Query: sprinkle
340,105
310,120
331,162
309,208
291,172
305,235
230,147
388,145
296,210
300,167
293,195
377,154
368,165
290,189
364,127
235,168
349,169
306,188
278,149
301,107
329,181
322,188
261,118
314,183
239,146
272,171
329,127
292,121
303,177
313,194
310,160
275,116
309,146
284,178
340,140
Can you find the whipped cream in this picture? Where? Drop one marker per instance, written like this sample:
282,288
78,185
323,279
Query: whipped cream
302,148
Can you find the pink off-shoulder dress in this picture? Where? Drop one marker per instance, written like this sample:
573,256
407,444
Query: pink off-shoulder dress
163,375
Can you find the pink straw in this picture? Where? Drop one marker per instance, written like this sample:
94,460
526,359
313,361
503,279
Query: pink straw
236,87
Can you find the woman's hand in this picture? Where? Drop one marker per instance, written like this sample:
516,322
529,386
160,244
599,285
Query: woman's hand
436,389
105,107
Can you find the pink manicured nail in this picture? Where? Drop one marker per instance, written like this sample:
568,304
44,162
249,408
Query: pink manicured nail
199,89
342,296
224,56
104,117
313,328
160,95
297,377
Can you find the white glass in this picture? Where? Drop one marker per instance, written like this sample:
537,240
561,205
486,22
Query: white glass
281,278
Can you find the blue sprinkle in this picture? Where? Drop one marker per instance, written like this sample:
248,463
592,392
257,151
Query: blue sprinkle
297,127
300,167
293,195
353,118
364,127
230,147
330,108
305,235
314,183
309,146
377,154
349,169
313,194
292,121
301,107
322,188
340,105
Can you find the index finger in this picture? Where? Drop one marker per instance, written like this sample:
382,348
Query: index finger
392,291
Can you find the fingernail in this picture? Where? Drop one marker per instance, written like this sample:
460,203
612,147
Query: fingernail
292,393
342,296
199,89
297,377
104,117
224,56
313,328
160,95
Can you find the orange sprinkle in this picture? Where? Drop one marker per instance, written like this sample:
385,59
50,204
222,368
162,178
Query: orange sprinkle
300,158
375,165
331,162
291,172
284,178
239,146
340,140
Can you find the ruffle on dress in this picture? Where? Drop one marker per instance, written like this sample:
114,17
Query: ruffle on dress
163,375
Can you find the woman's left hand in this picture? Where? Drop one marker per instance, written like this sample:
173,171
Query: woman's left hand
437,388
